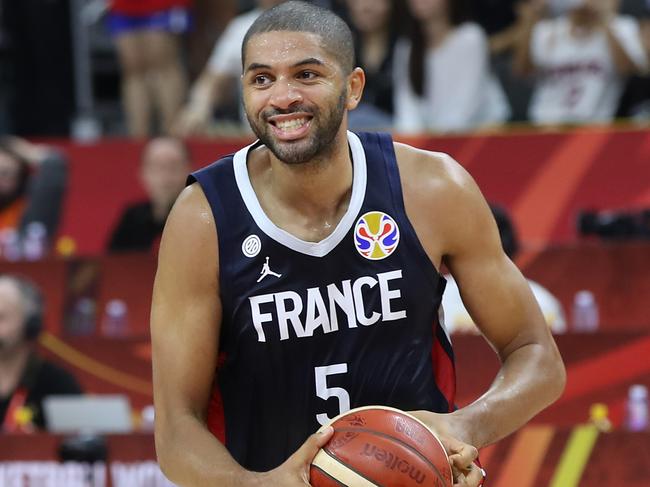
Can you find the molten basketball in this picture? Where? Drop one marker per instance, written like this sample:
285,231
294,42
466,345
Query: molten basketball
380,446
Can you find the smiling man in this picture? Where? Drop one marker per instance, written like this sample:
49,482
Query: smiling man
310,261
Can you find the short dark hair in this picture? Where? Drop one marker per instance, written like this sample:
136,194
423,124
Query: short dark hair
296,16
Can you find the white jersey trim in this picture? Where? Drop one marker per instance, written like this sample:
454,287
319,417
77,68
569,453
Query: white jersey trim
315,249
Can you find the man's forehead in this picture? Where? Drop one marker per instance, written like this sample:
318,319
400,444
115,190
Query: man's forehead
285,46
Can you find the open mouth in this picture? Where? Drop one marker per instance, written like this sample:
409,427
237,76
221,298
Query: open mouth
290,127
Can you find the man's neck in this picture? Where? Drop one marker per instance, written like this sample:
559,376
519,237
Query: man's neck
314,186
12,366
308,199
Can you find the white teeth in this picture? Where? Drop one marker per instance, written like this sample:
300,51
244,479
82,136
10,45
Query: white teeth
291,124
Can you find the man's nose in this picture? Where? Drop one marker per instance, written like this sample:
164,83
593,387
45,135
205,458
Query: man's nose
285,93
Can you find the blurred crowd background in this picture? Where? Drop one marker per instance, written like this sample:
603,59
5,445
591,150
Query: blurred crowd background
90,68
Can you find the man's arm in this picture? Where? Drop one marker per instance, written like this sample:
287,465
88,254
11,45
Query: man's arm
500,301
185,320
208,92
185,324
464,236
624,42
622,60
529,13
217,81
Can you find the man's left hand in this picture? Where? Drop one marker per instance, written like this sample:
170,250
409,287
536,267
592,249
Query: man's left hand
461,455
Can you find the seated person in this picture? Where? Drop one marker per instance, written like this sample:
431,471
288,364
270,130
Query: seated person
165,164
32,185
26,379
458,320
443,79
581,59
373,23
218,82
501,21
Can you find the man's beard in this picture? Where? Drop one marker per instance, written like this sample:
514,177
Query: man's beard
319,144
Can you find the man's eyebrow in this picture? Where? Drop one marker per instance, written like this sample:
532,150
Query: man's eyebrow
254,66
304,62
309,60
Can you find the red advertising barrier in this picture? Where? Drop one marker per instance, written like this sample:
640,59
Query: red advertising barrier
544,179
618,274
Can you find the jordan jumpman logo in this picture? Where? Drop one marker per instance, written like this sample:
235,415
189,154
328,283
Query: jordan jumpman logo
266,270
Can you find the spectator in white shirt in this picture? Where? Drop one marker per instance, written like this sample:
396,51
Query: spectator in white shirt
443,80
217,83
580,58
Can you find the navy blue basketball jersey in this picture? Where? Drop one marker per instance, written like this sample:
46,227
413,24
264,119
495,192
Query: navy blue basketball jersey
312,329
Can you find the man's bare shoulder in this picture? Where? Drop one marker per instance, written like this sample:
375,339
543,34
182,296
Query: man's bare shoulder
441,199
430,174
190,227
191,209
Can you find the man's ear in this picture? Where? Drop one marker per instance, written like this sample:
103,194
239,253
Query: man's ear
356,83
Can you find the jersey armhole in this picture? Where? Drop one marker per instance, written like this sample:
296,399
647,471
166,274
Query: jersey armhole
395,183
205,179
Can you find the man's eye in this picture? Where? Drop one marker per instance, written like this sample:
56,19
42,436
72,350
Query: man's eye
307,75
261,79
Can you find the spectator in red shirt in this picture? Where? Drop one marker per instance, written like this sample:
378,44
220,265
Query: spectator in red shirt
146,34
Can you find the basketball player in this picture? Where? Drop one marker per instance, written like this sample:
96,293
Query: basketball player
348,232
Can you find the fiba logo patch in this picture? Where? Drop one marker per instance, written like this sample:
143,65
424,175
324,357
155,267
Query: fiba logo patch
251,246
376,235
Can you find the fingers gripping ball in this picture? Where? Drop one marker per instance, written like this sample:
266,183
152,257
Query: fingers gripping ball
380,446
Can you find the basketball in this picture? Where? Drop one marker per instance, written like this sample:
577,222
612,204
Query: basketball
380,446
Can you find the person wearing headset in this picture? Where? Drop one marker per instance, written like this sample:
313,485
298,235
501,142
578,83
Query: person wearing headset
25,377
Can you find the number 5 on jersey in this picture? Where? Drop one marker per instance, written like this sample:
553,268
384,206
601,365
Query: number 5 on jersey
325,392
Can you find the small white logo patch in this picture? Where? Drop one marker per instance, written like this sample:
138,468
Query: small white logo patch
266,271
251,246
